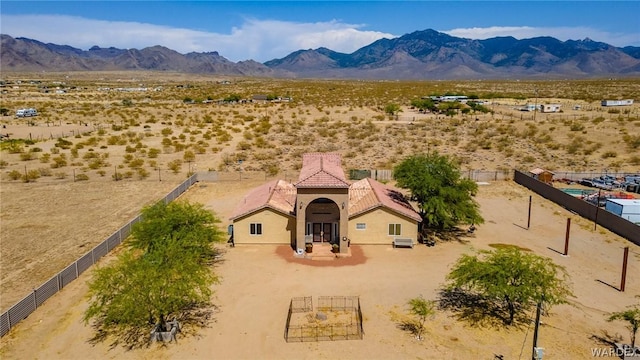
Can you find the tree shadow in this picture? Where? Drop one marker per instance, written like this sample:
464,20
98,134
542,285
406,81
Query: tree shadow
431,237
410,326
604,338
479,311
191,320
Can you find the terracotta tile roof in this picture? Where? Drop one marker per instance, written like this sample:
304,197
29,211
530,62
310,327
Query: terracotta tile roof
278,195
322,170
368,194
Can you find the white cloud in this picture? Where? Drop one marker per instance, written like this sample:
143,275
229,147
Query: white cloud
561,33
260,40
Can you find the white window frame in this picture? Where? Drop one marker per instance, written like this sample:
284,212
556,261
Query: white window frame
255,229
361,226
397,229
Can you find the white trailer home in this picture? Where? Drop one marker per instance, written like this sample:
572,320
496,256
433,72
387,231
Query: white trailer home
617,102
625,208
550,108
26,112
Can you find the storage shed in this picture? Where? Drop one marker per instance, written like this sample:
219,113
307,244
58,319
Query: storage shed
543,175
625,208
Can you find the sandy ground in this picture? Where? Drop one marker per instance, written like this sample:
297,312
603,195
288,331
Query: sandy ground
258,283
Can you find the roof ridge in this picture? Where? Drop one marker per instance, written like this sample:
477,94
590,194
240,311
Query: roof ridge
324,172
375,193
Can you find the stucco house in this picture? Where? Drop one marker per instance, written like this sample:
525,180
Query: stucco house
323,207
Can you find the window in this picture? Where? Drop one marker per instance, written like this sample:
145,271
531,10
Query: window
255,229
361,226
395,229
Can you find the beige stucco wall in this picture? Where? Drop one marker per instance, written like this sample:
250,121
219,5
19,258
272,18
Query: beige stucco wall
277,228
377,228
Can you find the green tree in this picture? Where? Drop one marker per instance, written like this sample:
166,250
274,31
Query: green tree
421,309
512,279
392,109
631,316
444,198
163,273
424,104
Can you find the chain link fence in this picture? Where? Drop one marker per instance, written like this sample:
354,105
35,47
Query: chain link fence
32,301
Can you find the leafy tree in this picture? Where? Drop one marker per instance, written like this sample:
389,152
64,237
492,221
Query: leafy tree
233,98
444,198
163,273
424,104
421,309
513,279
392,109
632,316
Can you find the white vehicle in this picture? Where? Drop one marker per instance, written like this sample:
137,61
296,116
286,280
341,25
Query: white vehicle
26,112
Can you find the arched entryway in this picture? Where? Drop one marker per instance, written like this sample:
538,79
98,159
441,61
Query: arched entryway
322,221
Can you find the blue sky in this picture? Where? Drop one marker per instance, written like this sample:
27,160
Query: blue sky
264,30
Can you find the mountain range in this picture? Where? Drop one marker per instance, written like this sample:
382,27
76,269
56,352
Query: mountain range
426,54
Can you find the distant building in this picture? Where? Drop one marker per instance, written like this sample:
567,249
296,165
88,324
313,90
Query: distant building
617,102
550,108
625,208
543,175
528,107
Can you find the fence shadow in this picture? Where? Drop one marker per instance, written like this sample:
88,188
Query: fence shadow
609,285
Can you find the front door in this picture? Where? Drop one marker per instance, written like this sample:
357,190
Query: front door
321,232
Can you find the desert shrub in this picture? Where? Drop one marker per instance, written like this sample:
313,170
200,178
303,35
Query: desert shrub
45,171
59,161
632,141
117,176
609,154
82,177
113,140
153,153
74,153
142,174
175,165
96,163
136,163
26,156
576,127
101,172
35,149
177,147
130,149
634,160
63,144
3,164
44,158
13,147
14,175
31,176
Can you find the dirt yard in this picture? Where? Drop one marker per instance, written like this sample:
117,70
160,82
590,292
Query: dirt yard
259,281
